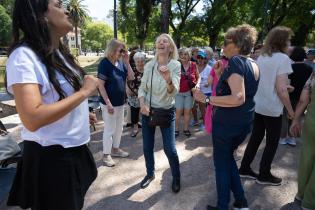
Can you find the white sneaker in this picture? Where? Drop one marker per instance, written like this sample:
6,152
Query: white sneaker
291,141
108,161
120,153
241,208
283,141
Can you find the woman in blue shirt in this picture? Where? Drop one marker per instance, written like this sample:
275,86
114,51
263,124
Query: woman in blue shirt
233,113
112,73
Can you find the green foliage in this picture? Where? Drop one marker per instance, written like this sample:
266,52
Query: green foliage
78,13
95,35
5,29
217,16
180,15
7,5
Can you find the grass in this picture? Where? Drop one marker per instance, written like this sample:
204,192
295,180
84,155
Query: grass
89,63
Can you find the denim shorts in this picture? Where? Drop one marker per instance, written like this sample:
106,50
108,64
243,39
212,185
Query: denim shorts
184,100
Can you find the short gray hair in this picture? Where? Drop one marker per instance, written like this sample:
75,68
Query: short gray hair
139,56
209,50
185,50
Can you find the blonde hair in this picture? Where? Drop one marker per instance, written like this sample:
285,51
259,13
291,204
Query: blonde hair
174,51
112,46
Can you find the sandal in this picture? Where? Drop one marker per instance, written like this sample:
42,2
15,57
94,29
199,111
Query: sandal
134,133
176,133
187,133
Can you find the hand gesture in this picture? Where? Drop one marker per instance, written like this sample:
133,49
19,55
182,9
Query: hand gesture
89,85
218,67
126,57
165,72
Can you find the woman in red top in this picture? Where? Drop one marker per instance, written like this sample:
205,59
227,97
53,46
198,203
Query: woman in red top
184,99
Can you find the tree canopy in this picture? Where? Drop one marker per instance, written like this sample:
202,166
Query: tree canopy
95,36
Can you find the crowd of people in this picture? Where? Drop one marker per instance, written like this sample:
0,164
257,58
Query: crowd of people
261,90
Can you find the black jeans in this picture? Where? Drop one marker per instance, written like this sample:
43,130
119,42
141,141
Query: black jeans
134,115
272,127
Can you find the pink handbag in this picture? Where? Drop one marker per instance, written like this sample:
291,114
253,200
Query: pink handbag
208,119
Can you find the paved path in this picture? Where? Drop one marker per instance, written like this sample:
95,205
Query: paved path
118,188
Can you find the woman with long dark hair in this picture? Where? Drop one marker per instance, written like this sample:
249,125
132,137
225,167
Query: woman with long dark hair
50,92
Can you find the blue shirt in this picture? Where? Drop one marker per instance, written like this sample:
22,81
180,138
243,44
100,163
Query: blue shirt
243,114
115,81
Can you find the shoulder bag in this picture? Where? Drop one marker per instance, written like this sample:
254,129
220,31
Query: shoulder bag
159,116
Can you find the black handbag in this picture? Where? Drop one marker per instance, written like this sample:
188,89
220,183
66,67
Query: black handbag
159,116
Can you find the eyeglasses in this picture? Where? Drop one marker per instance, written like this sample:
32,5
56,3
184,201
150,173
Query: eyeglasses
227,42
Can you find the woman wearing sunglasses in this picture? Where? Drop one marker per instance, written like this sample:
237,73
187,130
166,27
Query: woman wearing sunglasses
233,113
112,74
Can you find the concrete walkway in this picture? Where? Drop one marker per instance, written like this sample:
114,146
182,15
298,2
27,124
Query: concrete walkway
118,188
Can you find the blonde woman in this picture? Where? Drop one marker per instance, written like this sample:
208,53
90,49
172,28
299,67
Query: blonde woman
113,71
161,81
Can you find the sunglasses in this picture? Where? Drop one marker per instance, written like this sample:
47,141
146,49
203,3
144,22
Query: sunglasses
200,57
122,51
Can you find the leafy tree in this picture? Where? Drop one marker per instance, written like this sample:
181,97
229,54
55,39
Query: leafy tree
5,29
95,35
7,5
78,12
219,15
181,12
135,20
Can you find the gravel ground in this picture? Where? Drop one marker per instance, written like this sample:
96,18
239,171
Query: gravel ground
118,188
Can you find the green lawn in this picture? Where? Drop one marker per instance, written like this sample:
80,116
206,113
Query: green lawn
1,77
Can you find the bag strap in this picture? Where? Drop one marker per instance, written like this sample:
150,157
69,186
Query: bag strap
151,84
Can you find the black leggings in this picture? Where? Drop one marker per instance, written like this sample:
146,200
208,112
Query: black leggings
272,126
134,115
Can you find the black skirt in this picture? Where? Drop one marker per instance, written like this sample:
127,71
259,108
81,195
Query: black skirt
52,178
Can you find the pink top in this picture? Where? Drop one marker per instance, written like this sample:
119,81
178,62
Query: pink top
215,78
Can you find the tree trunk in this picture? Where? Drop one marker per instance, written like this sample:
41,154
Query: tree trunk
177,39
213,39
141,43
165,15
76,36
300,35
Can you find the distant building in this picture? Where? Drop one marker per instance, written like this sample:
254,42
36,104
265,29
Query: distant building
71,39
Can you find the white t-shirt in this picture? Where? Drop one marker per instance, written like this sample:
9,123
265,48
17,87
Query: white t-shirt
24,66
203,80
267,100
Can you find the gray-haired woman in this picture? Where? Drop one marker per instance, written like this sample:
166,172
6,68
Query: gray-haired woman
132,91
233,113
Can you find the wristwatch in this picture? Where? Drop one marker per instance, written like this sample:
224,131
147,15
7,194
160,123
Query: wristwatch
207,100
